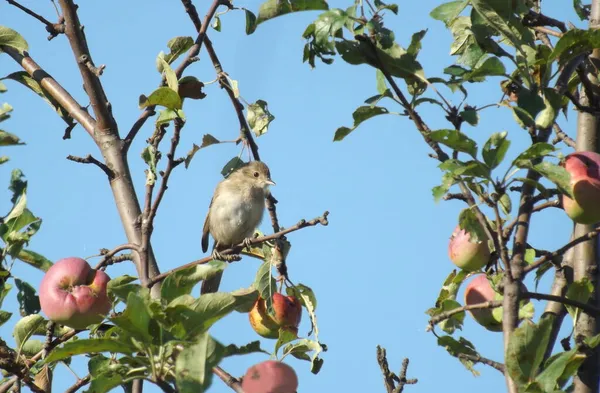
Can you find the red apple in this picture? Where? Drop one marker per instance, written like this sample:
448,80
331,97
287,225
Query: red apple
466,254
287,314
74,294
270,377
479,290
584,168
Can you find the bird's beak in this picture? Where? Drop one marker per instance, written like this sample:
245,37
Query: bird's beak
270,182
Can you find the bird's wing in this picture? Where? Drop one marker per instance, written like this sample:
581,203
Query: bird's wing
205,229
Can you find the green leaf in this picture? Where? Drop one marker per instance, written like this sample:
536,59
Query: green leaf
4,317
458,347
9,37
447,12
285,336
265,284
106,374
573,43
415,43
501,20
470,168
253,347
2,88
553,103
91,345
190,155
495,149
136,319
559,369
505,204
300,350
8,139
149,155
170,76
470,115
192,317
468,221
193,367
23,78
360,115
535,151
526,348
301,290
556,174
579,291
455,140
581,10
250,22
26,327
245,299
216,23
29,302
231,166
259,117
490,67
273,8
178,46
120,287
34,259
163,96
383,6
181,282
381,85
168,115
439,191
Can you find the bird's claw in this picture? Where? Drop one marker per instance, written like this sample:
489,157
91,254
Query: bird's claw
247,242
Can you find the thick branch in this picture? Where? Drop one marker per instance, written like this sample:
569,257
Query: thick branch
54,89
91,81
237,249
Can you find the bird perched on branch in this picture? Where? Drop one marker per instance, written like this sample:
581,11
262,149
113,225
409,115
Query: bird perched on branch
235,211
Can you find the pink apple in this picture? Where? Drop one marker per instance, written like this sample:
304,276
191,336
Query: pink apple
270,377
466,254
288,313
479,290
584,168
74,294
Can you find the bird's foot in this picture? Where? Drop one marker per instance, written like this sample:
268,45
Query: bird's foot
248,242
227,258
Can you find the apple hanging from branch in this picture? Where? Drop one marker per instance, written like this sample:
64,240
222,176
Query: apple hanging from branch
73,294
287,314
584,168
270,376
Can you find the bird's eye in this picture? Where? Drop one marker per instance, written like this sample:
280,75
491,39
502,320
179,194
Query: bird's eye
255,174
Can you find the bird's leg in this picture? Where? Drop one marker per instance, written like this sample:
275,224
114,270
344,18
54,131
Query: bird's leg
248,242
217,255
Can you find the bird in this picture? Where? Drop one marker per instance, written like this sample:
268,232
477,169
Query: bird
235,211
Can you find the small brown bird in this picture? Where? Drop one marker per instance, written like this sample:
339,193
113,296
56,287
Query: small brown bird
235,211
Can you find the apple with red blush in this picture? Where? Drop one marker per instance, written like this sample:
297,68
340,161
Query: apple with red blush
270,376
287,313
584,168
73,294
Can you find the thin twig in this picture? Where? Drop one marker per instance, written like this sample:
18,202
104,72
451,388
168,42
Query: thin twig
107,256
79,384
561,135
447,314
89,159
480,359
562,250
229,380
53,28
236,250
588,308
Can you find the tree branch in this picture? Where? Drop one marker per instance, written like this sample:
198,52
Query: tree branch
229,380
480,359
562,250
89,159
53,28
590,309
91,81
447,314
393,383
236,250
79,384
54,89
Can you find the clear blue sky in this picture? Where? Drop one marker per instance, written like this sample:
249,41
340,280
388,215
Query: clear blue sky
375,269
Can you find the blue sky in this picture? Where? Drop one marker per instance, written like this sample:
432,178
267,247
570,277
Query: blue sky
375,269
